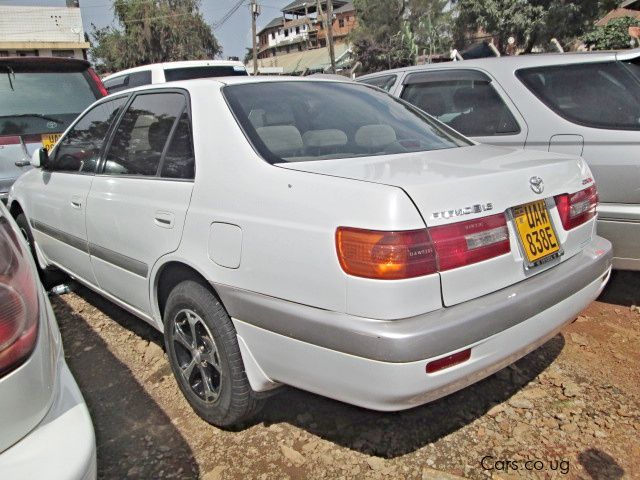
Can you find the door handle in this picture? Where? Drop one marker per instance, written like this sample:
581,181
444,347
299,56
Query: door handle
22,163
76,201
164,219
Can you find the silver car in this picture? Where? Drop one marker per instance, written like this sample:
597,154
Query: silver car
584,104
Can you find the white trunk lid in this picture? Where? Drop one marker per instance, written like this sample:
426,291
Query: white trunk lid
460,184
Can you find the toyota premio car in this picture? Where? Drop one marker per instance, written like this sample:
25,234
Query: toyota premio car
314,233
584,104
46,428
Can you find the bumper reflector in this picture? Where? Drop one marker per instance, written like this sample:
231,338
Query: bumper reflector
448,361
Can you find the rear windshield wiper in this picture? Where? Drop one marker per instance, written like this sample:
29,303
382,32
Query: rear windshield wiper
10,73
34,115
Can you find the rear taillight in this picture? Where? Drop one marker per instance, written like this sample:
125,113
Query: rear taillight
18,301
407,254
385,255
464,243
99,85
577,208
9,140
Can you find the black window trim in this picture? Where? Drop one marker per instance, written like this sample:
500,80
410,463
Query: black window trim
116,123
472,74
377,77
560,113
107,137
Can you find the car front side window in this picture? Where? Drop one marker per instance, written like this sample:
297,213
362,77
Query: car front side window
141,136
79,150
465,100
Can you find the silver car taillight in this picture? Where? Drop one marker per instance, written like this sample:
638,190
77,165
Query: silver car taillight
18,300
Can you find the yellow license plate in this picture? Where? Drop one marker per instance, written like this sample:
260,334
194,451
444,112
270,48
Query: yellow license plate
537,236
49,140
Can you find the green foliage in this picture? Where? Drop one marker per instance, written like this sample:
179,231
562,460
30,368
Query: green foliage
531,22
393,33
613,36
152,31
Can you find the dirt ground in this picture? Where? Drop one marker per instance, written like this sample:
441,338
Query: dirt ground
570,409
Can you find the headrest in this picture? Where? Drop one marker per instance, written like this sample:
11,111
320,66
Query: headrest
432,103
324,138
256,117
375,136
281,139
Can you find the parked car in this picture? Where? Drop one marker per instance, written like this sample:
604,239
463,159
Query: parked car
39,98
172,72
315,233
584,104
46,428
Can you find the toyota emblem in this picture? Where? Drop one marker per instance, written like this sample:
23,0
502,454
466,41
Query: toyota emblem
536,184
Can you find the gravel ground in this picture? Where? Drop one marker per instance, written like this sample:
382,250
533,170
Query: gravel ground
570,409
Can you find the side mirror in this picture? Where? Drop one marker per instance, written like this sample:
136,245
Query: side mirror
40,158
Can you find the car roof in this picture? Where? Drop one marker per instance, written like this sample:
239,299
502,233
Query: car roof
181,64
513,62
222,81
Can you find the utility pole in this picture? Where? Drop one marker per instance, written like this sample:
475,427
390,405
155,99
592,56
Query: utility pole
332,53
255,11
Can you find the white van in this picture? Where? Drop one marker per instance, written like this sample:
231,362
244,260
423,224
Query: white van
171,72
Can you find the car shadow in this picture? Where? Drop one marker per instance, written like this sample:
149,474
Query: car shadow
600,465
387,435
135,438
623,289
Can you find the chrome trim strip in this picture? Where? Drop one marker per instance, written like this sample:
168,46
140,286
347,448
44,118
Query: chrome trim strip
428,335
126,263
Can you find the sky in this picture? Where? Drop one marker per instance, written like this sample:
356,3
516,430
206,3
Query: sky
234,35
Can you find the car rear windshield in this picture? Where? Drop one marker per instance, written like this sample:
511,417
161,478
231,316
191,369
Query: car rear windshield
599,95
41,102
299,121
188,73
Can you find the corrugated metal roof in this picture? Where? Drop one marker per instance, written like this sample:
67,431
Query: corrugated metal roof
346,8
298,62
298,5
276,22
617,13
40,24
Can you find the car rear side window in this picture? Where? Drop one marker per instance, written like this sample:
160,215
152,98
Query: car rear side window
463,99
187,73
79,150
384,82
599,95
129,80
142,134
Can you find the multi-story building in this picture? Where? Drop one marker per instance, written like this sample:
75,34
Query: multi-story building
42,31
302,27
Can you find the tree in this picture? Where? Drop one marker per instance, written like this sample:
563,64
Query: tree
531,22
392,33
612,36
153,31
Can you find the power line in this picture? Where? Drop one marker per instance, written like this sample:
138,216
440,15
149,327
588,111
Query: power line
228,15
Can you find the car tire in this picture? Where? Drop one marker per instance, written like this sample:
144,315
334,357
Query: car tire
204,354
49,277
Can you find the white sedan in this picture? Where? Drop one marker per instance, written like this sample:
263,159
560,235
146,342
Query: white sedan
46,430
314,233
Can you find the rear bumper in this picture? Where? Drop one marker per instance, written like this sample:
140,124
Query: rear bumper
620,224
62,446
381,364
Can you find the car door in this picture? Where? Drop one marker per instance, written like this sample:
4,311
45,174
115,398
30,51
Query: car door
59,192
138,201
469,101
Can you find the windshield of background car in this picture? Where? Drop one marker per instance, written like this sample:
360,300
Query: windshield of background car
41,102
598,95
304,121
188,73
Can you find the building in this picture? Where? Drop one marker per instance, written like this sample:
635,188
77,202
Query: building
630,8
42,31
301,28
